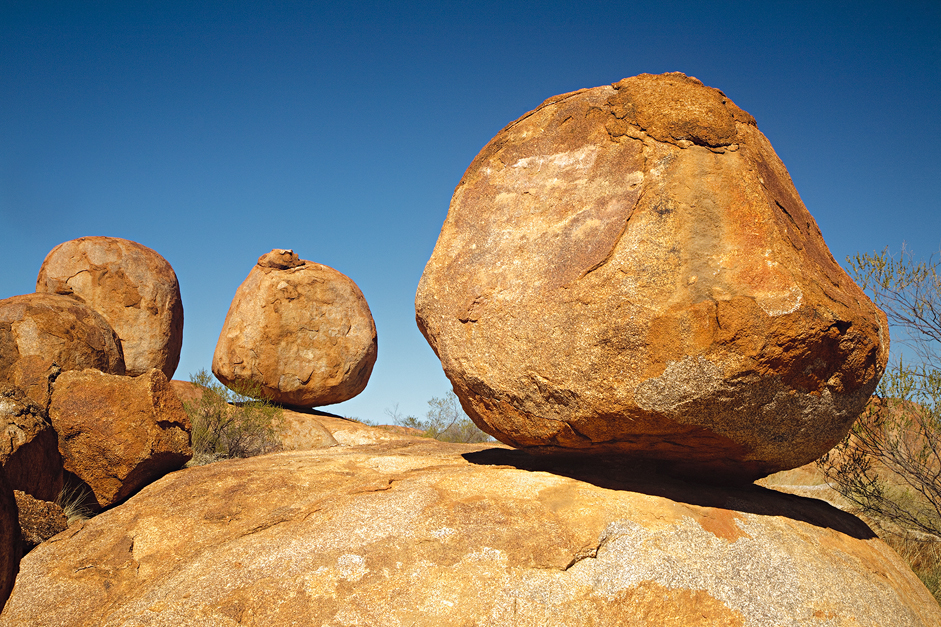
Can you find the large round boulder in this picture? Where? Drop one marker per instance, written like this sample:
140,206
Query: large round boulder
132,286
629,269
44,334
300,331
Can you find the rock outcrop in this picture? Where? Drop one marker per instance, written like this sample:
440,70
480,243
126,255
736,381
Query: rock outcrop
10,546
117,434
43,334
300,330
629,270
29,446
39,520
426,533
300,431
132,286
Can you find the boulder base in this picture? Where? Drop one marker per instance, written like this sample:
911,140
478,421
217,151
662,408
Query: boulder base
299,330
132,286
117,434
629,269
415,533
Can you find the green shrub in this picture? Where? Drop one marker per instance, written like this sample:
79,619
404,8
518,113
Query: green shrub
228,423
445,421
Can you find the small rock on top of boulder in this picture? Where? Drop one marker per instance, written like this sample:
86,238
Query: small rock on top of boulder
43,334
300,330
132,286
629,269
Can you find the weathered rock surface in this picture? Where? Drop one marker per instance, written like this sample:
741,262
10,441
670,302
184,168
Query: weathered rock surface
300,431
117,434
186,391
629,269
39,520
29,446
412,533
132,286
300,330
43,334
10,546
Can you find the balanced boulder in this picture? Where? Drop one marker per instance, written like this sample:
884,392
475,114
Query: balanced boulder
117,434
43,334
300,331
132,286
629,270
29,446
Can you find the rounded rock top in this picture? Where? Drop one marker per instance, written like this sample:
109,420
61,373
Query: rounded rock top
132,286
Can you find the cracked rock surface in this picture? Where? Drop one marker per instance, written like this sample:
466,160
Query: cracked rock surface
42,335
300,330
629,269
117,434
417,532
132,286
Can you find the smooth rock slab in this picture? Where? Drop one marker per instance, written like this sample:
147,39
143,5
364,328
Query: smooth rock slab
299,330
412,533
628,269
132,286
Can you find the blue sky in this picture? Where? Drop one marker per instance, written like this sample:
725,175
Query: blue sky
213,132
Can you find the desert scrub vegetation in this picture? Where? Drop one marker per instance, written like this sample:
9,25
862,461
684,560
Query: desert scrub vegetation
228,423
445,421
889,465
77,503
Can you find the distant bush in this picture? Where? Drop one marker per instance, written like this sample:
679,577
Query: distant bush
445,421
229,423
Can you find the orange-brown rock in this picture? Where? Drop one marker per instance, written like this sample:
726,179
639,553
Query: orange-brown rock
10,545
43,334
300,431
132,286
300,330
29,446
424,533
117,434
39,520
186,391
629,270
